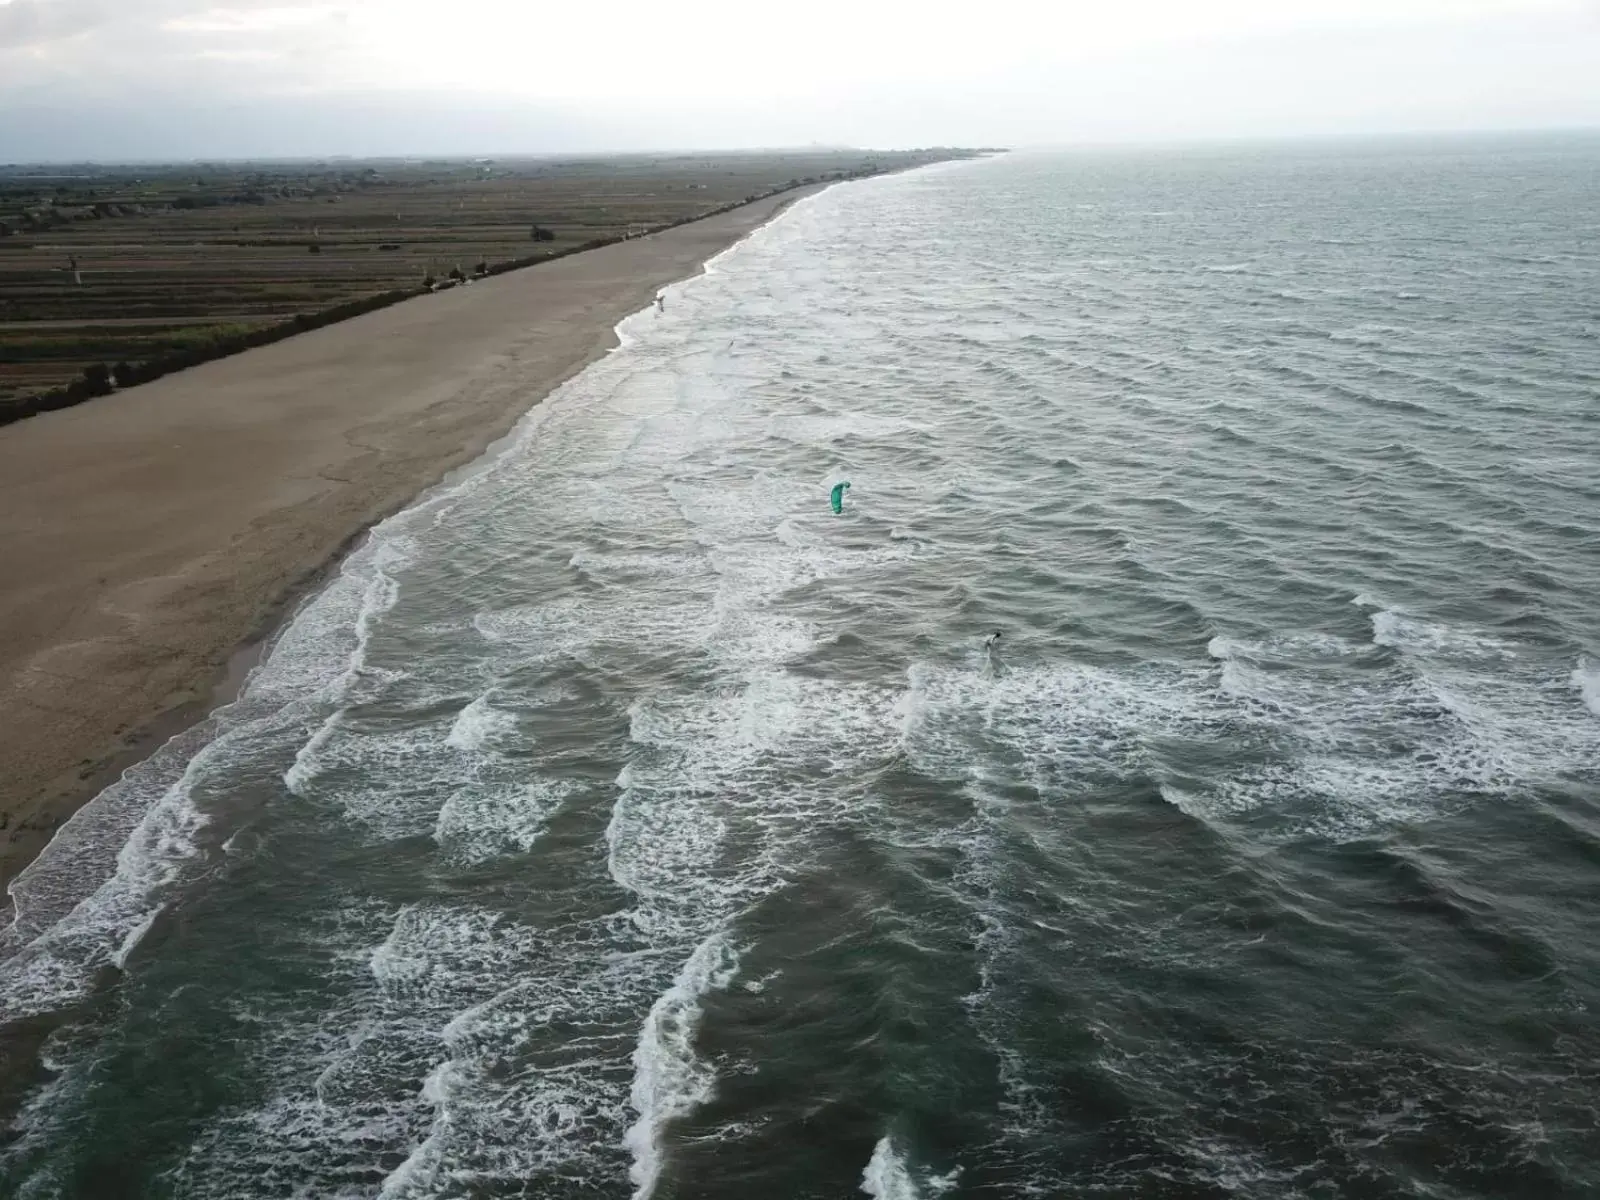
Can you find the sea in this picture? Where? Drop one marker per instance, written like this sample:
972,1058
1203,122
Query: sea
622,822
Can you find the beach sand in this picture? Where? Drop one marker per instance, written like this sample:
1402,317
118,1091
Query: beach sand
146,537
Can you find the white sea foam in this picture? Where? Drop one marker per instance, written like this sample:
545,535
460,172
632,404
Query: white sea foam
1586,678
709,762
507,1101
1391,627
574,629
308,761
649,565
670,1080
91,896
322,715
57,953
725,761
391,780
379,595
1045,723
502,1054
420,1172
1296,644
481,725
131,940
483,820
1336,743
887,1176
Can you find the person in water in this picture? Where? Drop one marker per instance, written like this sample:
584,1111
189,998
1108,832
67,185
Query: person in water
992,642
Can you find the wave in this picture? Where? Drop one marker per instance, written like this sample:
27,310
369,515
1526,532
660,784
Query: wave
886,1176
312,705
484,821
1586,678
604,713
497,1097
1392,627
480,725
1299,733
98,888
670,1081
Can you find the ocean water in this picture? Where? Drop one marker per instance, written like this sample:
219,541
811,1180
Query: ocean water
621,822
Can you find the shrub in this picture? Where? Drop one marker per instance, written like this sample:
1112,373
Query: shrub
540,234
97,378
315,247
125,374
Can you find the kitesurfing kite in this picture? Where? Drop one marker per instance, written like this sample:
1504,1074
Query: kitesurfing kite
837,497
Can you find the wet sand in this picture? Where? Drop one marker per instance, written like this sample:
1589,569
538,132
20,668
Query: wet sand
149,538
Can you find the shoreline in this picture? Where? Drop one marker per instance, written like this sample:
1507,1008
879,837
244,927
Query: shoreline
188,696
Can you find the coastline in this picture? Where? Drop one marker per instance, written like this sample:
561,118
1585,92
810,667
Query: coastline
125,646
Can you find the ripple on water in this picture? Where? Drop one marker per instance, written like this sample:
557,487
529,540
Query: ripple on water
623,821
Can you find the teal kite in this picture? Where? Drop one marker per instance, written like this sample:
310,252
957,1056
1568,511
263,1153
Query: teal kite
837,498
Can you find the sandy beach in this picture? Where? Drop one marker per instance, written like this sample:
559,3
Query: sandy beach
148,536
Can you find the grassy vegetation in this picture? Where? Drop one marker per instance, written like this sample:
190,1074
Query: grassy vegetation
161,267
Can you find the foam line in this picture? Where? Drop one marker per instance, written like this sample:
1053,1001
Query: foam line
670,1081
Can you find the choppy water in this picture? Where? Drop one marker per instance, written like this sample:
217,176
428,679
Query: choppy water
621,822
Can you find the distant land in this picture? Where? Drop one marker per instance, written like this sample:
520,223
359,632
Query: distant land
111,275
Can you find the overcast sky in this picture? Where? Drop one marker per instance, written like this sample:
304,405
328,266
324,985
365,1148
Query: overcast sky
186,78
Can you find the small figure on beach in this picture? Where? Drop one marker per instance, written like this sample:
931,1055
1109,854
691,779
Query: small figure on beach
661,302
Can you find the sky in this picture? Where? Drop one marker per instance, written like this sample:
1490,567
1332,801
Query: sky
144,79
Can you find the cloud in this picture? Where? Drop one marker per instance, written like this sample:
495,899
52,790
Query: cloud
32,22
417,74
252,21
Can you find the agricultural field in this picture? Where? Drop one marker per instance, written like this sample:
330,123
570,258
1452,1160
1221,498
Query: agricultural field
138,264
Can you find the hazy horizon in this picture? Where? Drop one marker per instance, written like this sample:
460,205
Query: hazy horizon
165,80
1395,140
